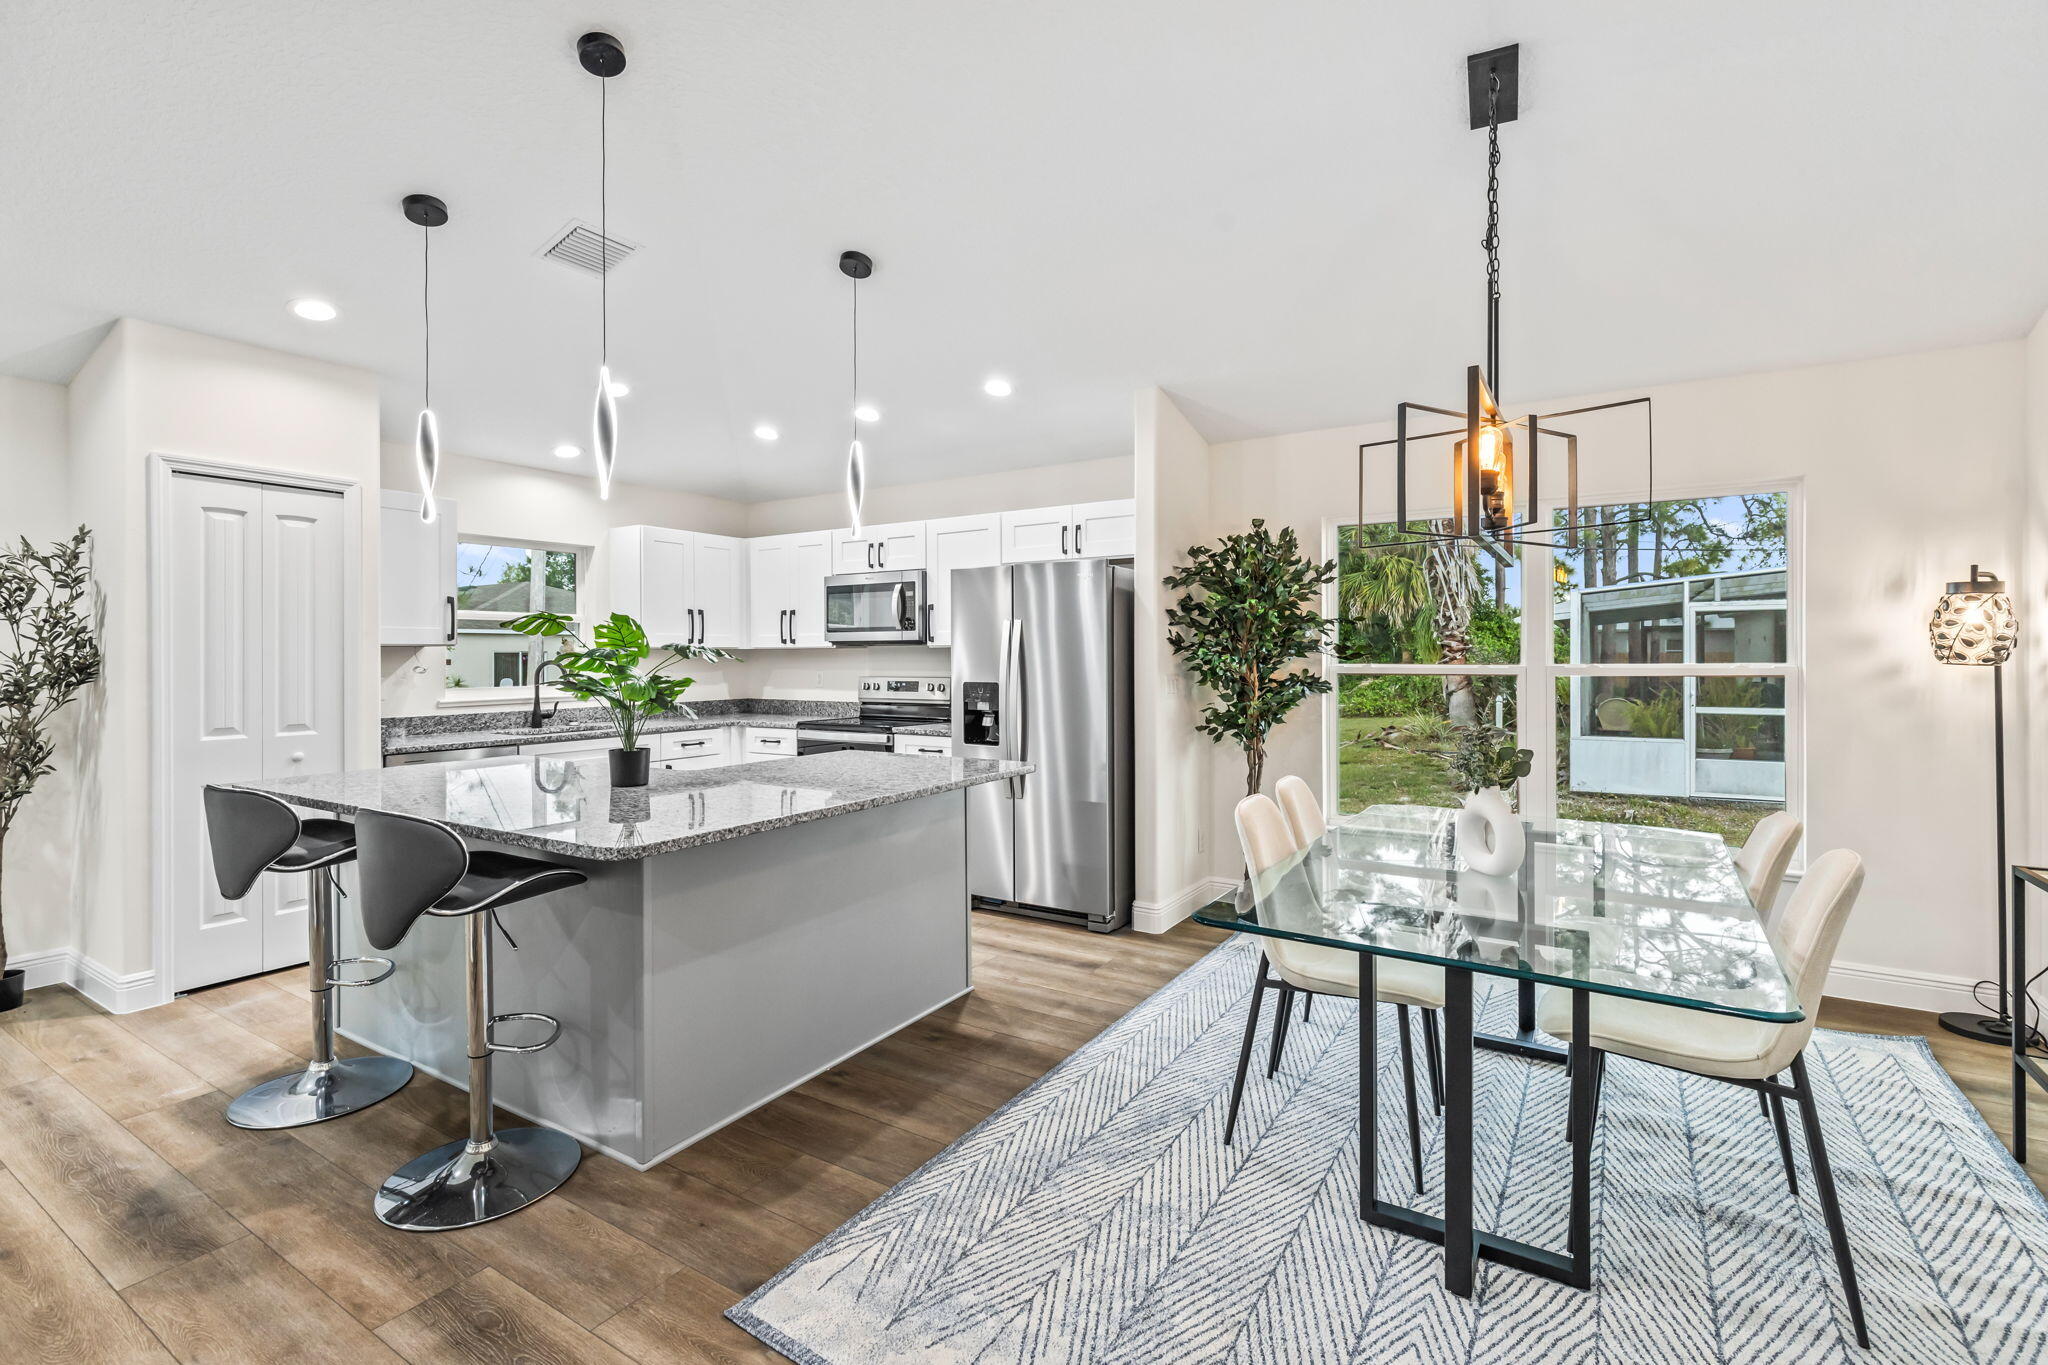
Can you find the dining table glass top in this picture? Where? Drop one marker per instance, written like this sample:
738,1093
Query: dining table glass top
1628,910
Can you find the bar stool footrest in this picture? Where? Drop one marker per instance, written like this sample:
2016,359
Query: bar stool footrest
388,965
495,1046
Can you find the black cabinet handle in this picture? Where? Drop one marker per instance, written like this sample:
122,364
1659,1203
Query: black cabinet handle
1063,538
1077,537
882,553
451,620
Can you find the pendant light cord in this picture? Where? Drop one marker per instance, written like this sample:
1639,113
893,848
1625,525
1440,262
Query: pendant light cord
852,416
1491,242
427,312
604,224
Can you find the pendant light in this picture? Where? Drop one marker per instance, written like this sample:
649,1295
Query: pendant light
856,266
429,213
1483,457
601,55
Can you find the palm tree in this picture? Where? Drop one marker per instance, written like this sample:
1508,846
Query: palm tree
1388,587
1453,574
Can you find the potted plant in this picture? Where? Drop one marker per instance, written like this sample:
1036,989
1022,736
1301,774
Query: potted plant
1247,611
1486,761
612,670
52,651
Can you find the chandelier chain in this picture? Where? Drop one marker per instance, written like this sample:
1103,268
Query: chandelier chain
1492,239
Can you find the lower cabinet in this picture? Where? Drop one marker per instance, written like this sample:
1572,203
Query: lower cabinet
570,748
938,746
763,744
686,749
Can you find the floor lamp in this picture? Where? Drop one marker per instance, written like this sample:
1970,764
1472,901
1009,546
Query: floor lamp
1974,624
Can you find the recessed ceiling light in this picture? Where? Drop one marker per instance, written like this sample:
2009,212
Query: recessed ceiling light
764,432
315,310
995,386
565,451
620,390
866,412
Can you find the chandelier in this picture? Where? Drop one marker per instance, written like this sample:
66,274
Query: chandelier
1495,459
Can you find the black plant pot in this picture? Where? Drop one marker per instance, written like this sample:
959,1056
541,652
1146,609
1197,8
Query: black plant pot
11,986
629,767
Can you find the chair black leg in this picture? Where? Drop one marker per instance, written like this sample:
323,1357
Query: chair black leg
1408,1083
1775,1107
1307,998
1433,1056
1824,1179
1281,1017
1244,1053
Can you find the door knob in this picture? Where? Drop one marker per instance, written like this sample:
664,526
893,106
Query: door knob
299,757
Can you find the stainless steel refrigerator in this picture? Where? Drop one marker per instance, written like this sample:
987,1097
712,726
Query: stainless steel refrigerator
1042,672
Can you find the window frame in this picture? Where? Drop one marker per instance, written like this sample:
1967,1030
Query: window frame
537,550
1537,672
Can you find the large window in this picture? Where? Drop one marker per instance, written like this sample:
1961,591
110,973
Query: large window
1667,655
495,582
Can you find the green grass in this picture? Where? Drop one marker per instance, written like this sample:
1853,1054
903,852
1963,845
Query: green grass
1370,775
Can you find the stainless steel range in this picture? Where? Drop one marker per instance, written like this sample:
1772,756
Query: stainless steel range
886,705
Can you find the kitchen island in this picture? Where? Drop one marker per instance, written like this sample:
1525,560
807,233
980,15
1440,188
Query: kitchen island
742,929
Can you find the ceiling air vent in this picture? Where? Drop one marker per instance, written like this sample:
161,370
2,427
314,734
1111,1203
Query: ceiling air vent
583,247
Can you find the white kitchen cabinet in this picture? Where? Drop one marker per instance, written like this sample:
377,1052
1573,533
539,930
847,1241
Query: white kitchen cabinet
1106,530
714,743
955,543
571,748
933,745
786,590
416,578
894,545
1088,530
762,743
685,587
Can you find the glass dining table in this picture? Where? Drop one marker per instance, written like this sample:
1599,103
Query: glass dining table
1594,909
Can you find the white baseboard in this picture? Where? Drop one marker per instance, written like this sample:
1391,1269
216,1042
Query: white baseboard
1156,917
1905,989
111,991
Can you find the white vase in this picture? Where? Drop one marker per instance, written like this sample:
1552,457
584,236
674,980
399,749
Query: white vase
1490,837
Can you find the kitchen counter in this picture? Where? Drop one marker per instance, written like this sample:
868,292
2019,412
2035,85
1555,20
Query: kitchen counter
740,930
582,723
568,807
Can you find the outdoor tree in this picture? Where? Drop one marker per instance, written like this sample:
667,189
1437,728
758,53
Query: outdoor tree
1246,614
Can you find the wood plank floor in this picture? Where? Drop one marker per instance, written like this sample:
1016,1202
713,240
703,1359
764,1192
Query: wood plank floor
136,1224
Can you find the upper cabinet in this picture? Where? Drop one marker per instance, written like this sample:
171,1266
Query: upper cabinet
955,543
685,587
416,597
897,545
786,589
1085,530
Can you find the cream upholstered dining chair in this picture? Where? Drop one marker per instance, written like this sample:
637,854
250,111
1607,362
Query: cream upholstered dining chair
1304,813
1315,969
1764,857
1746,1052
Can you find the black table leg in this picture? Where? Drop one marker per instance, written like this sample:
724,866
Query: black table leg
2022,1028
1368,1088
1525,1007
1460,1254
1585,1083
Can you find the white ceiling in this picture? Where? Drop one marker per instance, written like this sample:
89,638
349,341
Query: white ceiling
1272,210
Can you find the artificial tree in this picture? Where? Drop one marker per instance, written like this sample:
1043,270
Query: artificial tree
1247,611
52,650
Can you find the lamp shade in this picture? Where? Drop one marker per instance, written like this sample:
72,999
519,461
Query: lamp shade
1974,623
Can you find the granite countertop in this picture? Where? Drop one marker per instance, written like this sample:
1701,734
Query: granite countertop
924,729
568,807
571,726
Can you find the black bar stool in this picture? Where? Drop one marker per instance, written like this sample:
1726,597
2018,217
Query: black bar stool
251,834
413,867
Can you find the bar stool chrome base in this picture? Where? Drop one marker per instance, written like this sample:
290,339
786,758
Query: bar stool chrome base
320,1092
455,1187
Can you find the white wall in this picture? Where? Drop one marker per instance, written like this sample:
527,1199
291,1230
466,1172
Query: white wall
36,899
1006,491
1911,468
150,389
1173,775
2030,594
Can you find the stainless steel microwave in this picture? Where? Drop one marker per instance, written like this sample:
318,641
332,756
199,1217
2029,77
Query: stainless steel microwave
886,608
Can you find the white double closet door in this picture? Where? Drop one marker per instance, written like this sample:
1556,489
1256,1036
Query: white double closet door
252,677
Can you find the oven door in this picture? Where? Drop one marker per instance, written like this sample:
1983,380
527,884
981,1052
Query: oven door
875,608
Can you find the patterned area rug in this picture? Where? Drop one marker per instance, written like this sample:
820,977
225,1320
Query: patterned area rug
1099,1218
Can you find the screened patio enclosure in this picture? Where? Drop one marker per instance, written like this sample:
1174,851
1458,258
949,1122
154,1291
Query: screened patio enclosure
1721,737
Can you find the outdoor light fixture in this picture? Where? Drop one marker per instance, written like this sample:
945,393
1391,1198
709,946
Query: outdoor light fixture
856,266
601,55
1484,479
1974,624
429,213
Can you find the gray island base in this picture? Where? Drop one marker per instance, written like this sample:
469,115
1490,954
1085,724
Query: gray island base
743,929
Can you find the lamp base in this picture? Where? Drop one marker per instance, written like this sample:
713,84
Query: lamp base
1985,1028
